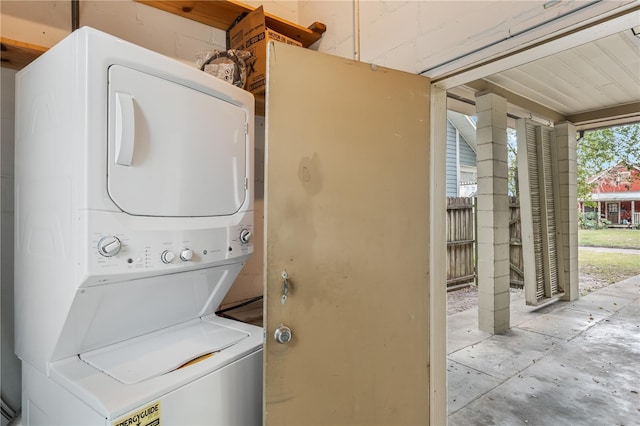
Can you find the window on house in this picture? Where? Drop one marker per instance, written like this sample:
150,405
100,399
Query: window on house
468,175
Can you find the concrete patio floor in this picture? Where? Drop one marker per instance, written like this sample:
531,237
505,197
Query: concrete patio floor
568,363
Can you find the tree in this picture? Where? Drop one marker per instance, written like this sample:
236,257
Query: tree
512,162
598,150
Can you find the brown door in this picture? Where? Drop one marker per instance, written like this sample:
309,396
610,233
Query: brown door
347,218
612,212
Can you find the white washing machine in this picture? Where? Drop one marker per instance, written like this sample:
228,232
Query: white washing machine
134,214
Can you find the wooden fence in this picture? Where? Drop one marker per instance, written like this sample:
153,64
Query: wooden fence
460,242
516,261
461,231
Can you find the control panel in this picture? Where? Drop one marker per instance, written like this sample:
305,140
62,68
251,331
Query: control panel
161,251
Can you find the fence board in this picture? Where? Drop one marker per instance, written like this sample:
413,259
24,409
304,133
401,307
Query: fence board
516,260
460,241
461,257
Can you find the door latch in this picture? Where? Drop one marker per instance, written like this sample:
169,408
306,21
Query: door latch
285,287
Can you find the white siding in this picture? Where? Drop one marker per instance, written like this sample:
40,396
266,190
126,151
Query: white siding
467,156
452,169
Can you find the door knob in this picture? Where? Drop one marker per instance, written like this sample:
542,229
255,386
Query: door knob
282,334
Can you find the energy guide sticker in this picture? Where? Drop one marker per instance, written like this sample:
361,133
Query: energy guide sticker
147,416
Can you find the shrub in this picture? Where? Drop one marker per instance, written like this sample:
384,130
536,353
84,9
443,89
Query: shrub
589,220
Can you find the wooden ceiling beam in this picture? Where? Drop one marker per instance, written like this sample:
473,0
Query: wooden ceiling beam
607,117
518,106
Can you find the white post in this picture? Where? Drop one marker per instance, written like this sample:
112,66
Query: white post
493,214
438,278
619,208
567,226
457,163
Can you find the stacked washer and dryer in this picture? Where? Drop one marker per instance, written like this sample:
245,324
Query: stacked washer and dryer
134,214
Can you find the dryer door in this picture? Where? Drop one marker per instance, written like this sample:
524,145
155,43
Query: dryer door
173,150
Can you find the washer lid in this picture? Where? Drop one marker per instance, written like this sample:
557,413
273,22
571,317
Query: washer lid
154,354
173,150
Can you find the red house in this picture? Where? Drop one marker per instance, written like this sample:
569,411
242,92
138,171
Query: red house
617,194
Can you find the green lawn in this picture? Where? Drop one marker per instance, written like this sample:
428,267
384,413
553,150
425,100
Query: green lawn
619,238
609,267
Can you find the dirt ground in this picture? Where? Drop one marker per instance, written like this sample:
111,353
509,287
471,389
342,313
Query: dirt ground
466,298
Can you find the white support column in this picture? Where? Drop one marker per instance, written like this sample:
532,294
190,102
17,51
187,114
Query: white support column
619,205
598,219
457,163
493,214
438,276
565,141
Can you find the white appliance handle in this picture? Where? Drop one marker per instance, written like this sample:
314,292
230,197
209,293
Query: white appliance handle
125,128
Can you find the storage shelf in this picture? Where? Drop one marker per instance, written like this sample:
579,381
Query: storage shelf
223,13
18,54
220,14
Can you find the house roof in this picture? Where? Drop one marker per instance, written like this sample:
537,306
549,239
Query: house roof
616,196
466,127
597,176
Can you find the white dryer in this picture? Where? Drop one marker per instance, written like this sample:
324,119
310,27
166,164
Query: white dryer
134,212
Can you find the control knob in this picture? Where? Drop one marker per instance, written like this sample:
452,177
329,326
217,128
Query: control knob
109,246
167,256
245,235
186,255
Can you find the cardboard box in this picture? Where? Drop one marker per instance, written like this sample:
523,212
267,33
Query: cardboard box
251,34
